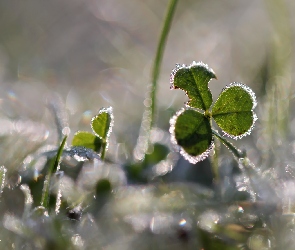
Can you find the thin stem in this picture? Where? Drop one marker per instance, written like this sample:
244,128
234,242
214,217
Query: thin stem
248,166
103,150
52,169
159,57
237,153
149,115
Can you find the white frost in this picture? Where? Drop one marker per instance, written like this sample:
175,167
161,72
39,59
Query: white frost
181,66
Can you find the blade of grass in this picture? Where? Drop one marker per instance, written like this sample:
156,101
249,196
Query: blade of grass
3,171
159,57
150,112
52,169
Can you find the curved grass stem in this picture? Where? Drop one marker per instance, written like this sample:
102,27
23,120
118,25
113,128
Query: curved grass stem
159,57
149,116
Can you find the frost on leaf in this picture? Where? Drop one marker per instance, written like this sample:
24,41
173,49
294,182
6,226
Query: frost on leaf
102,123
233,110
191,132
194,79
88,140
81,153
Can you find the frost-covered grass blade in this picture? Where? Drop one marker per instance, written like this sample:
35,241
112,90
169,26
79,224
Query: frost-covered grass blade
194,79
233,110
52,169
3,171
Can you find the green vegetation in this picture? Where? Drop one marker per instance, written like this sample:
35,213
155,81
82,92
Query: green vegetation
85,195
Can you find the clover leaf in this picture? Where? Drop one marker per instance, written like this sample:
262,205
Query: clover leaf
233,110
101,126
102,123
194,79
191,128
87,140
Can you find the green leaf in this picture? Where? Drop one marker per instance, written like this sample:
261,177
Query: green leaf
102,123
87,140
192,131
233,110
194,79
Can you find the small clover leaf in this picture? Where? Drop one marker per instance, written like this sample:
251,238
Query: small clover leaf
87,140
101,126
102,123
194,79
233,110
192,131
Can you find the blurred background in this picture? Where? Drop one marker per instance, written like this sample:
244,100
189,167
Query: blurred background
63,60
98,53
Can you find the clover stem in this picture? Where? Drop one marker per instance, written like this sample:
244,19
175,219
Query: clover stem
215,161
237,153
248,166
103,150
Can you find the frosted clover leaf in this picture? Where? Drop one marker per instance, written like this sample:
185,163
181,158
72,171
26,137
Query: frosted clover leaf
233,110
191,127
192,131
194,79
101,125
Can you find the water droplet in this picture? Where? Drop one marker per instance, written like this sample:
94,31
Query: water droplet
66,131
